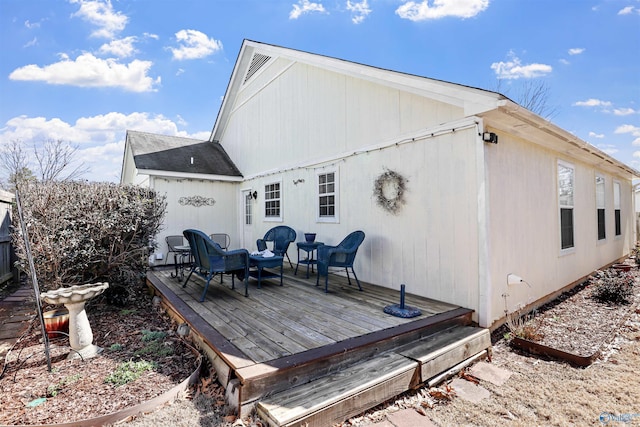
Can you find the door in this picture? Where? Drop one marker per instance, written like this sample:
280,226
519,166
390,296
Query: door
247,220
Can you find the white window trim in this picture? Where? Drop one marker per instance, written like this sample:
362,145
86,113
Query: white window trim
572,249
615,208
264,202
336,218
604,206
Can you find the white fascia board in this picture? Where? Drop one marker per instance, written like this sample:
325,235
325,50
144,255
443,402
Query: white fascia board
235,81
575,144
181,175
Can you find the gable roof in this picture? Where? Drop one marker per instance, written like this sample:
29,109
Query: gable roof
475,101
155,154
254,55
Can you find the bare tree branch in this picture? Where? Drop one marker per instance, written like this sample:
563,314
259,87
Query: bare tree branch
55,157
53,160
14,161
532,95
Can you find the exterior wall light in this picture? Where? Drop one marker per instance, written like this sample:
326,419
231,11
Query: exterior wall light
490,137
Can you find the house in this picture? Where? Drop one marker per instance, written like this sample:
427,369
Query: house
198,178
464,196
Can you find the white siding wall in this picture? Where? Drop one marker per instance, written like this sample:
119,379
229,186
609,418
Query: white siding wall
430,245
308,113
524,223
222,217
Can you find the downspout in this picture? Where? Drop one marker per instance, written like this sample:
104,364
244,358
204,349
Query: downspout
484,271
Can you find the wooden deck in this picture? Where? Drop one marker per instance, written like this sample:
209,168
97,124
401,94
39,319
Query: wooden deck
284,336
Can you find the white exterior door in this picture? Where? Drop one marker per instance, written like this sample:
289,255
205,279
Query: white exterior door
247,220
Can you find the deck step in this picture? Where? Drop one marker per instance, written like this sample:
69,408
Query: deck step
336,397
447,348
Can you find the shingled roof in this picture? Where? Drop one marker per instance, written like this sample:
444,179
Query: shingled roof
178,154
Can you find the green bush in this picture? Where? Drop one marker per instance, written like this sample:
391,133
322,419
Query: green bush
82,232
612,287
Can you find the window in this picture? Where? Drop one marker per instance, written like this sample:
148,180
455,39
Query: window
566,175
600,207
272,201
328,196
248,217
616,207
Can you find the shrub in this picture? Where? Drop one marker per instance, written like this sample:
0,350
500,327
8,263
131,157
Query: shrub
82,232
612,287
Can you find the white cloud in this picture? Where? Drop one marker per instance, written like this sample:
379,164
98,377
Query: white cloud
151,36
89,71
421,11
631,129
360,10
102,15
576,51
514,69
100,139
31,25
627,10
194,45
624,111
305,6
31,43
591,102
596,135
564,61
121,48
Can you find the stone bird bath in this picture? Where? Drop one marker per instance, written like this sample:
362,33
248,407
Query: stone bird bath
74,298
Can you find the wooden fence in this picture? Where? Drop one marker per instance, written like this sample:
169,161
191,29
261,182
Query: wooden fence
6,249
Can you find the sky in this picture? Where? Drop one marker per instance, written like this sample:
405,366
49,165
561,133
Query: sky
86,71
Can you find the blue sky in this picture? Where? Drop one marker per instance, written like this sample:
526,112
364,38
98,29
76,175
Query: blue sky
85,71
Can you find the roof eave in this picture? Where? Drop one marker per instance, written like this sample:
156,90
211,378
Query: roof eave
575,144
181,175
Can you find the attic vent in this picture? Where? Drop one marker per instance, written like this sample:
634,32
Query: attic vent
257,62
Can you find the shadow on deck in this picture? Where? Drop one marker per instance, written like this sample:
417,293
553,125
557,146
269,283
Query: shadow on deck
289,337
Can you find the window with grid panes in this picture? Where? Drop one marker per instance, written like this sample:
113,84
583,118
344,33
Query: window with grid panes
327,195
272,200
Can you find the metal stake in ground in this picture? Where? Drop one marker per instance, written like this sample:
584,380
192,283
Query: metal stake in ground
34,279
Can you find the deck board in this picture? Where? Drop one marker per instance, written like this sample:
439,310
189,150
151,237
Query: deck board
281,336
279,321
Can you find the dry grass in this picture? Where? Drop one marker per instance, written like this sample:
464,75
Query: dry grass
543,392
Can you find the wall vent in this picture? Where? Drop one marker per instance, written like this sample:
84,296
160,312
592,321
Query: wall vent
257,62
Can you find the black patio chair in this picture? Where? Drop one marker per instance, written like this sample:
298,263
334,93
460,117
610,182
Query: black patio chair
210,259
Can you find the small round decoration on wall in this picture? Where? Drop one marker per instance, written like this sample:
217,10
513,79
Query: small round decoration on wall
389,189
